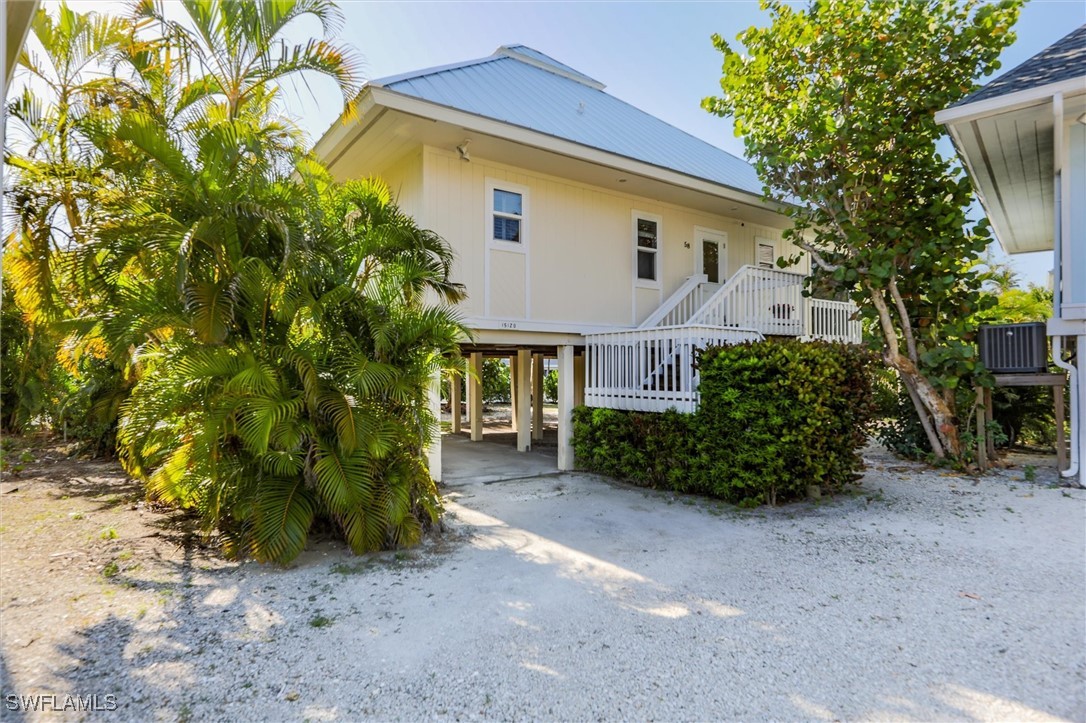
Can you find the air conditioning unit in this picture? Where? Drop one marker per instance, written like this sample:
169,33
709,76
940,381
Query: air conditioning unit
1014,348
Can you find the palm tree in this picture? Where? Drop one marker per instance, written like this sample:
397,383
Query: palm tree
57,173
312,403
237,52
278,323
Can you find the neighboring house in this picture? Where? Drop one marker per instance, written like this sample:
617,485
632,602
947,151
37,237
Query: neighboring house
1023,140
585,229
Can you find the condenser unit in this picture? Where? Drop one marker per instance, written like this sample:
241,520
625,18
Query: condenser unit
1014,348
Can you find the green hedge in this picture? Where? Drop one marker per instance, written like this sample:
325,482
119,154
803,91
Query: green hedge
775,417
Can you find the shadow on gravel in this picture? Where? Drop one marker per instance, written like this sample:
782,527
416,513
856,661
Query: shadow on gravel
107,661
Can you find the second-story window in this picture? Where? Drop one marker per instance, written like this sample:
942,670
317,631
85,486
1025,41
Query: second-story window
648,241
508,215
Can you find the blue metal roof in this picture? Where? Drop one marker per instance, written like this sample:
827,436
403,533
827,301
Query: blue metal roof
506,88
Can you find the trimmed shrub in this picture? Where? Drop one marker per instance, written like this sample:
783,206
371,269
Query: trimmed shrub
775,417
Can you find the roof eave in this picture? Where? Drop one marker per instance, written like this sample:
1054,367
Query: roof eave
1010,102
338,138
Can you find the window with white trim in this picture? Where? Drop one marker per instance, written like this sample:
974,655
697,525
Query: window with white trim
767,255
507,219
647,251
507,222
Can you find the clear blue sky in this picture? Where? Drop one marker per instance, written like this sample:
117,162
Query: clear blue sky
655,55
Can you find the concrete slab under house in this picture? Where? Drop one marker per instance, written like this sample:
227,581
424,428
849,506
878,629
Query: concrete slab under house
586,231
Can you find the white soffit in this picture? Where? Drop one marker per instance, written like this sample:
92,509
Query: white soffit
1010,158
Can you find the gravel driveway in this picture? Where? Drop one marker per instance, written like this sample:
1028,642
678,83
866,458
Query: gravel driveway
927,596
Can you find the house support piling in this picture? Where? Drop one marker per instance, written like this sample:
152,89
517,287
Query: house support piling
475,408
566,385
433,449
514,418
537,397
522,405
578,380
454,401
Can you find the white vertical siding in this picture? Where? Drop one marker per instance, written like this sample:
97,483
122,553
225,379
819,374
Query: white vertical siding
579,261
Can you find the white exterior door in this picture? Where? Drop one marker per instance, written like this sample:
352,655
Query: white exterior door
711,255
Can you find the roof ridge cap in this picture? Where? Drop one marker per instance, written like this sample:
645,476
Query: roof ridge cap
561,70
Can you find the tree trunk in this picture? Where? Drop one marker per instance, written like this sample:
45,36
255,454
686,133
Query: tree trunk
940,427
931,407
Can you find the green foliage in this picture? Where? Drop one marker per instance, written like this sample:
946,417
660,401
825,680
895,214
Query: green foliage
550,386
649,449
1015,306
495,384
260,338
836,106
1021,414
775,417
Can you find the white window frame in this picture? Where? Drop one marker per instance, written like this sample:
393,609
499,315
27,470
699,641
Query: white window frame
760,241
496,184
659,221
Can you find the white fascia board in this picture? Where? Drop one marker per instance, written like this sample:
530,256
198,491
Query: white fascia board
498,129
343,131
1010,101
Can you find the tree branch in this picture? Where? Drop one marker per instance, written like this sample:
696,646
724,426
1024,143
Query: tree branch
906,323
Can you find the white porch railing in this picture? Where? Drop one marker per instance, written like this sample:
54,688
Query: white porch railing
680,306
834,321
652,369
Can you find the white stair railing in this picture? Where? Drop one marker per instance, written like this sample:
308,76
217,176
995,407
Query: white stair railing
769,301
680,306
651,370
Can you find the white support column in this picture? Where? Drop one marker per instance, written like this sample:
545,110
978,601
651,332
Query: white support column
1081,419
578,380
514,418
433,449
454,401
566,385
537,397
522,403
475,383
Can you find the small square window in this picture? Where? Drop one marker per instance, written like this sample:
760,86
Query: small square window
507,202
646,265
506,229
646,233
